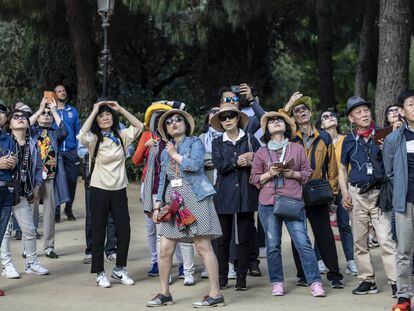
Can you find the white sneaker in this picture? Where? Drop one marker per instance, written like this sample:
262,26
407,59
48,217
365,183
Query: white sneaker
102,280
36,268
351,268
322,267
170,280
87,260
189,279
204,274
262,252
10,272
232,274
122,276
111,258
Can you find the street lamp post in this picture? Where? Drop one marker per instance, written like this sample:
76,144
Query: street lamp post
105,10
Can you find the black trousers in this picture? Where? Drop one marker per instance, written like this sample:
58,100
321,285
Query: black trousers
245,241
324,239
102,202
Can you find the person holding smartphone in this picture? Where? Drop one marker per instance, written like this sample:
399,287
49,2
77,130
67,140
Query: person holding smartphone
107,145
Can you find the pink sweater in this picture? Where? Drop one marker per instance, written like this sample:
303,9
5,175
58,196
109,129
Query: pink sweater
292,187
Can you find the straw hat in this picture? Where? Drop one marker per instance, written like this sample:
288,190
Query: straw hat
305,100
216,124
171,112
275,114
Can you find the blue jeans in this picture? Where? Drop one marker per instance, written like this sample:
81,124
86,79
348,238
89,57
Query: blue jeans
111,240
297,230
6,202
345,230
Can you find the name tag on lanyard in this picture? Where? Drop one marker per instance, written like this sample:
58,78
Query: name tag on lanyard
176,182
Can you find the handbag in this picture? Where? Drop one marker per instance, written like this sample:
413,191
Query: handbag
317,191
289,208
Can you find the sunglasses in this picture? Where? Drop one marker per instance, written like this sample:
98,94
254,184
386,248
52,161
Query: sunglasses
328,116
275,120
392,110
227,116
176,119
46,113
299,109
18,117
234,99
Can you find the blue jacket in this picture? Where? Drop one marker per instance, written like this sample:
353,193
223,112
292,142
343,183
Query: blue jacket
70,117
192,168
60,185
6,146
394,153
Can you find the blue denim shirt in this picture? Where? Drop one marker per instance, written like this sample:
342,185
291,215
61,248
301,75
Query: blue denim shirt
192,168
6,145
394,153
70,117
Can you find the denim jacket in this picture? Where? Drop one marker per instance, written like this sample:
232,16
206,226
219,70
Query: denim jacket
394,153
6,146
192,169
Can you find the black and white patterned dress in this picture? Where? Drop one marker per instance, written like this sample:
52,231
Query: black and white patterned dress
207,222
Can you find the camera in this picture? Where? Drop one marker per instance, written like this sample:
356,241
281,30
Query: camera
235,89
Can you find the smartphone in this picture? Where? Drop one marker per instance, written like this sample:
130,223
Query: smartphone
50,95
235,88
277,164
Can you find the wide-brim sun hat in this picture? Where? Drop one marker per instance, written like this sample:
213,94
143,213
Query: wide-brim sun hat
275,114
215,121
304,100
171,112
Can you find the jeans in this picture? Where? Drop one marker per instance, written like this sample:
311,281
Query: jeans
6,202
24,216
110,246
297,230
71,166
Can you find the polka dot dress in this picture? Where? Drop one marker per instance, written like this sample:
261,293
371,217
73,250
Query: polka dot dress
207,222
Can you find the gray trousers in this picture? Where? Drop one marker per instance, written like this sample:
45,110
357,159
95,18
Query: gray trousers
405,232
47,194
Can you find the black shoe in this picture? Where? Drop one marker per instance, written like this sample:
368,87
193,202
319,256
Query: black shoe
18,235
337,284
240,284
365,288
302,282
52,255
57,218
254,269
394,290
160,300
69,214
223,283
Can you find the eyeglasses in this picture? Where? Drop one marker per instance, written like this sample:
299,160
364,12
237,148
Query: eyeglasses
328,116
18,116
46,113
227,116
214,111
176,119
234,99
275,120
299,109
392,110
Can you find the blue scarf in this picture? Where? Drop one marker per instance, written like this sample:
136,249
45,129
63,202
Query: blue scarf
111,136
275,145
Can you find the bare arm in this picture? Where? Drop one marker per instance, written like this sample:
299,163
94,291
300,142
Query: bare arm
343,184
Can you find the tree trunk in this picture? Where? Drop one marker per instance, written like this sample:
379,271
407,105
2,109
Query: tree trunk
82,49
395,25
364,66
326,78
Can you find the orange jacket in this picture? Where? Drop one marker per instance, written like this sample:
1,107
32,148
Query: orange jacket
142,151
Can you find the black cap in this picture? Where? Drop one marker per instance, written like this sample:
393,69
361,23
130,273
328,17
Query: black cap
355,101
403,96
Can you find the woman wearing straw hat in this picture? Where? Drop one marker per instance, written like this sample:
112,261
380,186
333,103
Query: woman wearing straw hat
236,198
274,181
183,183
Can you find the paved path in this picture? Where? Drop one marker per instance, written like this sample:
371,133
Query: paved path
70,286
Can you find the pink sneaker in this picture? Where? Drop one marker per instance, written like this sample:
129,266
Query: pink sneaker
317,290
277,289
